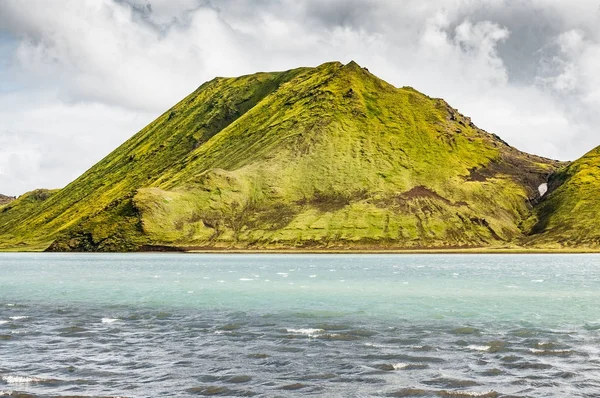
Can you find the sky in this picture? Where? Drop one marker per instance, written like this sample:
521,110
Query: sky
79,77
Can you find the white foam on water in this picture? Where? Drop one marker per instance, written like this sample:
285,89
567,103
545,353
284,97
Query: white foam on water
283,274
537,281
308,331
468,393
475,347
16,318
109,320
400,366
538,351
190,291
312,276
246,279
379,345
3,322
20,379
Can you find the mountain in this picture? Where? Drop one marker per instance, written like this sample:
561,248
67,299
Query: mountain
569,216
4,200
325,157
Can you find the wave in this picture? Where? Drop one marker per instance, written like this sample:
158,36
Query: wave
14,379
538,351
308,332
479,347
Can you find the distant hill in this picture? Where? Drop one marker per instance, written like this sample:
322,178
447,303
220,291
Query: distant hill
311,158
5,199
569,216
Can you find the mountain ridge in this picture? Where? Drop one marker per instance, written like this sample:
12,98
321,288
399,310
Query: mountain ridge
325,157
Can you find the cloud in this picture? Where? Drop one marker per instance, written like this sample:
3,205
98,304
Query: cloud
46,143
80,76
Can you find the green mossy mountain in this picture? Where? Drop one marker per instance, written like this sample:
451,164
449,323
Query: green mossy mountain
569,216
327,157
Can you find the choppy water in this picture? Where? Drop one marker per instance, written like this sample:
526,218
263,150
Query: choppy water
300,325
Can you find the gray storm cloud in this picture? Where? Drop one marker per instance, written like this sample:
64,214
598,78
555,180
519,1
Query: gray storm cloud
78,77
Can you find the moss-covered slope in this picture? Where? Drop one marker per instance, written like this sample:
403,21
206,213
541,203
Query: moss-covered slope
11,214
314,157
569,216
102,195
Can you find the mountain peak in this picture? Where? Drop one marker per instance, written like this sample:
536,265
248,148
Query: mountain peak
325,157
354,67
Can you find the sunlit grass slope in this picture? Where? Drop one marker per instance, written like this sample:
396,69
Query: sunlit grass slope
570,215
14,211
326,157
102,195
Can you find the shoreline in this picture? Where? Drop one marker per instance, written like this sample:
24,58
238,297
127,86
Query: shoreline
390,251
174,250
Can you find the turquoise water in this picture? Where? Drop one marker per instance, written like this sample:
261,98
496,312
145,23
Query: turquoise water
142,325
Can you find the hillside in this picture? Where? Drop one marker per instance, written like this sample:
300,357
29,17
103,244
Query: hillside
319,157
569,215
13,212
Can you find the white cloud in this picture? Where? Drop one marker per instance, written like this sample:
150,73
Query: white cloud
46,143
87,74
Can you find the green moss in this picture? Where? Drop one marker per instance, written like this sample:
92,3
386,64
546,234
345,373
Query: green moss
314,157
12,214
569,215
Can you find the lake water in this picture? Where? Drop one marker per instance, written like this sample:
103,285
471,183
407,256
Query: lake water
149,325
